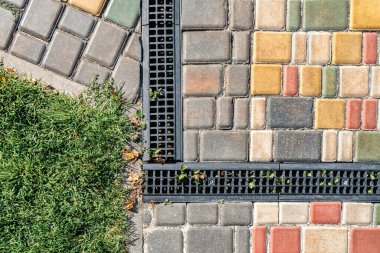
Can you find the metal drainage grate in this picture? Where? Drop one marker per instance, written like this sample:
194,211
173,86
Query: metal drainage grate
269,182
162,101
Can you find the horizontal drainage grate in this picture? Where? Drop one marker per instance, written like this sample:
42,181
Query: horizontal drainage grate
204,182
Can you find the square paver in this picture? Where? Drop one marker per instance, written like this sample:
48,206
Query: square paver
123,12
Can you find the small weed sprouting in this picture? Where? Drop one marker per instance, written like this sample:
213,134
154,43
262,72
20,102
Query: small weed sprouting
154,94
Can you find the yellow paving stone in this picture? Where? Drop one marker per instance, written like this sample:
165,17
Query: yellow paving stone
347,48
266,79
310,81
272,47
365,15
329,113
92,6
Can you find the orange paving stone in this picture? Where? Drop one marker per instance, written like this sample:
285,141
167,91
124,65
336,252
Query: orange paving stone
353,113
369,48
347,48
285,239
325,212
365,240
290,82
369,114
259,242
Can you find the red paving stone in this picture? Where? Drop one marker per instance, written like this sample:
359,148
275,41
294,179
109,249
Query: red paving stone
259,239
325,212
369,114
365,240
290,80
285,239
369,48
353,113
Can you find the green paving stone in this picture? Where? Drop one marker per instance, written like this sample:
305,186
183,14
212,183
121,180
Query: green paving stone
376,214
123,12
367,147
325,15
329,78
293,17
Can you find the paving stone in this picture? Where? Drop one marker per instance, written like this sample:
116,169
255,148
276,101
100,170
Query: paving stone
375,83
41,23
127,76
63,53
123,12
347,48
357,213
218,239
259,243
329,146
270,14
325,15
285,239
298,47
324,239
236,214
133,48
210,46
293,15
202,80
311,81
353,81
94,6
329,80
202,213
7,27
224,113
370,48
345,146
242,240
224,146
364,240
203,14
319,48
190,146
265,213
261,146
369,114
266,79
297,146
290,80
170,215
294,213
164,241
241,14
236,80
367,147
76,22
329,113
146,217
258,107
364,15
87,71
241,46
325,212
353,111
101,48
376,214
28,48
198,113
241,113
272,47
17,3
285,112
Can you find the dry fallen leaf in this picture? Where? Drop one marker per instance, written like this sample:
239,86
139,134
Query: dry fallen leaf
131,156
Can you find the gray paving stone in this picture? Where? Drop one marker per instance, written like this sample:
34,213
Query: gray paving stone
164,241
63,53
297,146
241,46
28,48
87,71
202,213
105,43
127,74
224,146
17,3
224,113
237,80
204,240
40,17
204,14
7,27
241,14
170,215
133,48
242,240
289,112
190,146
146,218
76,22
241,113
210,46
198,113
236,214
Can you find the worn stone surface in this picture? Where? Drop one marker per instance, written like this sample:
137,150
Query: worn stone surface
272,47
164,241
27,48
236,80
76,22
170,215
265,213
353,81
311,81
224,113
7,27
242,239
319,48
329,81
294,213
347,48
203,14
324,239
94,6
357,213
123,12
241,113
133,48
241,14
190,146
218,239
202,213
329,113
87,71
236,214
265,79
199,113
293,15
261,146
270,14
241,46
17,3
202,80
367,146
365,15
258,112
126,76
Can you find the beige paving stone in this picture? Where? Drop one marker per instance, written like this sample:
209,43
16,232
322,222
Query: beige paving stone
261,146
294,213
345,146
265,213
258,113
324,240
357,213
92,6
270,14
329,146
319,48
353,81
375,83
298,47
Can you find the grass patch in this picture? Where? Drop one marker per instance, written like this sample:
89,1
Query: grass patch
61,162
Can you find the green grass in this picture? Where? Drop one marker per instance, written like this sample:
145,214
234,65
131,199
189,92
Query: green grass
61,162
